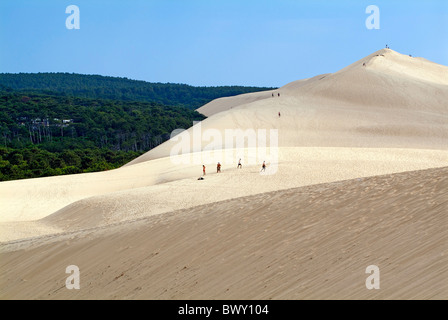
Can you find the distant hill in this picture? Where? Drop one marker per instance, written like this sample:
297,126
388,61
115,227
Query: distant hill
102,87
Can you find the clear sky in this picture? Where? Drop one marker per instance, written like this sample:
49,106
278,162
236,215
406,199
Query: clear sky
214,42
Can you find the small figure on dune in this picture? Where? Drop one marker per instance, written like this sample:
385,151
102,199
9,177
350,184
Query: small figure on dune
278,94
239,165
263,166
279,114
203,170
272,94
218,168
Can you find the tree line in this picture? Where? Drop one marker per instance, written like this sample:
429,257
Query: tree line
124,89
34,162
56,123
45,135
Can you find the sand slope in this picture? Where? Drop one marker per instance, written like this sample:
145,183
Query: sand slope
313,242
394,101
158,186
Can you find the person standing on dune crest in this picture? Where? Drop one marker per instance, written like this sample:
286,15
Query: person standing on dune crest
240,166
218,168
203,170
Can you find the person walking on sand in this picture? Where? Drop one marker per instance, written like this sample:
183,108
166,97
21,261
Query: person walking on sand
240,166
278,94
263,166
218,168
272,94
203,170
279,114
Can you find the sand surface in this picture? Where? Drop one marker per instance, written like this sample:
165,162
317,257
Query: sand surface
313,242
100,199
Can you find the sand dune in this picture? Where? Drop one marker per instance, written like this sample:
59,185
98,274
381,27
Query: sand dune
313,242
394,101
307,231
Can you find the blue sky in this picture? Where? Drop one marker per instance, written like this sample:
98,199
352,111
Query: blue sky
214,42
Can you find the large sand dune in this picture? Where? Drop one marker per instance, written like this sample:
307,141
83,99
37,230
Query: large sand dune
386,113
394,101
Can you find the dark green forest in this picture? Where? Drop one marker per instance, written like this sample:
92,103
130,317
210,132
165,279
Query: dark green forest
44,135
102,87
33,162
56,123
